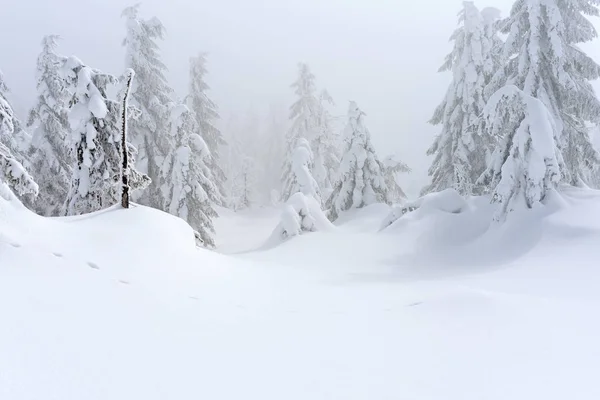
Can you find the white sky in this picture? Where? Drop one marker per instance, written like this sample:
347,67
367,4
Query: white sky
384,54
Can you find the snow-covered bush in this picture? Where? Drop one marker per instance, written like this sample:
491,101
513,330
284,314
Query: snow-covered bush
362,180
301,214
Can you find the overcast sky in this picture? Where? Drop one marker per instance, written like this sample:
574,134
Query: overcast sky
384,54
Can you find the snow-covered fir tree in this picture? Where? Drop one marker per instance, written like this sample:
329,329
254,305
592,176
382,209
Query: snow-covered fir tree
186,176
546,63
527,165
460,155
11,170
152,95
96,129
311,121
326,147
362,179
50,151
18,140
206,113
392,167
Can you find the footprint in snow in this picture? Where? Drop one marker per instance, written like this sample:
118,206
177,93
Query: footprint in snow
15,245
418,303
93,266
59,255
124,282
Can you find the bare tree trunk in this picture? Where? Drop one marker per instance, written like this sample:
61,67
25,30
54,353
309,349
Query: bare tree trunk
125,156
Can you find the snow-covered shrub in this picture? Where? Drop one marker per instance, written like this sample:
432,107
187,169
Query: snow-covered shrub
301,214
362,179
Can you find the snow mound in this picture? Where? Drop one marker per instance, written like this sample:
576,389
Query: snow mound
300,214
447,201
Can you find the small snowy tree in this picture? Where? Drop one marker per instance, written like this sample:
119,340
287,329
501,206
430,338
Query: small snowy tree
527,165
545,62
301,166
206,112
152,95
94,120
392,167
50,151
459,153
362,180
11,170
186,176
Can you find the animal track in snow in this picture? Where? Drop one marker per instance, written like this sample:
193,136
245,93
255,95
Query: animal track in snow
59,255
92,265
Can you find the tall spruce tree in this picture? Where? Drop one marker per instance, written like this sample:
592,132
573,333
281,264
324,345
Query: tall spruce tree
546,63
206,112
50,151
460,154
310,121
362,179
151,94
187,176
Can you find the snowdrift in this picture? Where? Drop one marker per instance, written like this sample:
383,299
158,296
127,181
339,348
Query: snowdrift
450,234
122,305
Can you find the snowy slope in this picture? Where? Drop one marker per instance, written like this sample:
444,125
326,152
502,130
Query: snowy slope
121,305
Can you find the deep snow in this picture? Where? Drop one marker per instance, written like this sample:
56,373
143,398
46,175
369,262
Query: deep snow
121,305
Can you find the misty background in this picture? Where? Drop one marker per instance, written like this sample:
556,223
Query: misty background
384,54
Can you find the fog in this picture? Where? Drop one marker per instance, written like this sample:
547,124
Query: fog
384,54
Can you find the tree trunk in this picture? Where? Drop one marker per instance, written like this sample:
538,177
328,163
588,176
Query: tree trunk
125,155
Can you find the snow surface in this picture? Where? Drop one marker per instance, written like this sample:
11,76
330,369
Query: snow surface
121,305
